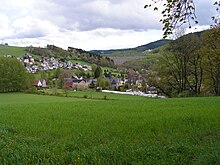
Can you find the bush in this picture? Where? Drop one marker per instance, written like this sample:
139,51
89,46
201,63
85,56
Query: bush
183,94
103,83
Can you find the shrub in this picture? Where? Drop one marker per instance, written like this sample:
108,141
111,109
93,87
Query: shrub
85,96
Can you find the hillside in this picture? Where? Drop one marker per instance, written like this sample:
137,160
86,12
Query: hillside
106,58
134,51
157,48
120,56
12,50
61,54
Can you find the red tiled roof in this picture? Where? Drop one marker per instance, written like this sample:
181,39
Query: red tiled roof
69,84
36,82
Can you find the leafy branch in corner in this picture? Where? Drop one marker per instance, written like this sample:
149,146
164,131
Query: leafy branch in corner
175,14
216,18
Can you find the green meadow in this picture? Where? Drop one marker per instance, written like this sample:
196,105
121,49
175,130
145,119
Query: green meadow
12,50
37,129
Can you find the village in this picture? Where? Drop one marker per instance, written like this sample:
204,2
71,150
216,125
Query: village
133,83
33,65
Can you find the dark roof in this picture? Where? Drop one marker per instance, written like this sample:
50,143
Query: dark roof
114,80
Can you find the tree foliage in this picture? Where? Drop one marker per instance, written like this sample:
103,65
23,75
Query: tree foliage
179,12
13,76
189,66
216,18
61,78
97,72
104,83
211,50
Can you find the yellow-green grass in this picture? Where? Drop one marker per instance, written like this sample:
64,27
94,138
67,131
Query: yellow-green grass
37,129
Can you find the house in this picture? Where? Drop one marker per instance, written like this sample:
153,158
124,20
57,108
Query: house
69,65
139,83
26,60
69,84
80,82
75,81
41,83
114,82
92,83
80,85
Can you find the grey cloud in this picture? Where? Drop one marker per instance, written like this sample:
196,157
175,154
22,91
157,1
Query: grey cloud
90,15
28,35
31,33
86,15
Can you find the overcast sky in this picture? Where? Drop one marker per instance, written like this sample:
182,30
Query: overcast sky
86,24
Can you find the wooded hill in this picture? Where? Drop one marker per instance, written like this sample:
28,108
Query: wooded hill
132,51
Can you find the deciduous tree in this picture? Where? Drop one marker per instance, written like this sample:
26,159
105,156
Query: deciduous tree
211,50
178,70
13,76
98,72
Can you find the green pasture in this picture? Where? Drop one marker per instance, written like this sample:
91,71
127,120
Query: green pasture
12,50
95,95
37,129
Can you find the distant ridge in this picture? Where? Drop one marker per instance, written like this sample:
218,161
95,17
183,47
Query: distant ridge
141,48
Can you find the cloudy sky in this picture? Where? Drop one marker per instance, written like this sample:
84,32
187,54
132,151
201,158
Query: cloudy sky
86,24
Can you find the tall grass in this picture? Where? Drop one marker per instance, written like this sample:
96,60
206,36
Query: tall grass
38,129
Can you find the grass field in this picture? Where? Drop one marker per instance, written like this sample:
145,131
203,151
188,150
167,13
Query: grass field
37,129
12,50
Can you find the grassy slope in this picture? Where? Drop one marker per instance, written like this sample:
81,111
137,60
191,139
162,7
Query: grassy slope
12,50
127,130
